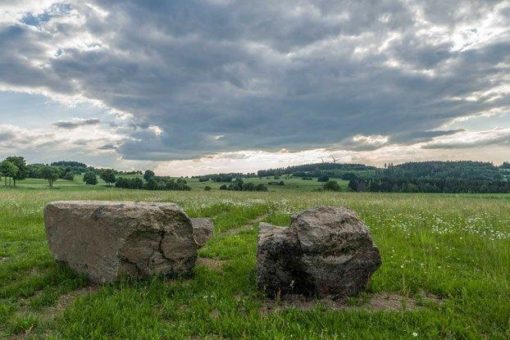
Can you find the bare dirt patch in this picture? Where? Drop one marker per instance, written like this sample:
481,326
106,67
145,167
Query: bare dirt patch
374,302
250,225
65,301
214,264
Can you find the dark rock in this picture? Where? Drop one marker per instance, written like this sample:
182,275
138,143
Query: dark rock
326,251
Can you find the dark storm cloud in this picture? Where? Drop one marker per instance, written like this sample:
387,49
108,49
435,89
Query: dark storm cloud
266,75
107,147
422,136
76,123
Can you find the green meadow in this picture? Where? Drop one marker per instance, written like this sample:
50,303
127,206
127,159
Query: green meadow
446,265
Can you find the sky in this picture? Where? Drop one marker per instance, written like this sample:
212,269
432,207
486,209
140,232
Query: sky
190,87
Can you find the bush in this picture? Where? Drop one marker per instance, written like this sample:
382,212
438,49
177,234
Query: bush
165,183
260,187
129,183
332,186
248,187
207,188
323,178
90,178
239,185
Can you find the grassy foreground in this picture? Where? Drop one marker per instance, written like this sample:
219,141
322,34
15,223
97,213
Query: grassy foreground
456,248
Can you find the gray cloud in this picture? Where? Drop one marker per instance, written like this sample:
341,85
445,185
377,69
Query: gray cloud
290,74
472,140
107,147
6,136
76,123
422,136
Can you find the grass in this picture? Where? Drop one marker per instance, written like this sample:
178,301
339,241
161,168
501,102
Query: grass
456,247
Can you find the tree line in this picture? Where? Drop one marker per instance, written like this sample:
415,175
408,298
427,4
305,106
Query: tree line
15,168
317,169
239,185
435,177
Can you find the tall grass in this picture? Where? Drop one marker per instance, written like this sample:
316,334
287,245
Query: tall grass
456,247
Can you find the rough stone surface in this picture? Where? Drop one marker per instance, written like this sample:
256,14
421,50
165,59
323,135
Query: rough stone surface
326,251
107,240
202,230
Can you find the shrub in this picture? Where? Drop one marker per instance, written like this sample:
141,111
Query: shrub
129,183
323,178
260,187
332,186
90,178
165,183
207,188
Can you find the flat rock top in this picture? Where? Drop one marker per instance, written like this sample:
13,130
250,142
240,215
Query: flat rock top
114,204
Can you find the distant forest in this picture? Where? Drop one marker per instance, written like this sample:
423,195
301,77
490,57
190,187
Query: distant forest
440,177
433,177
333,170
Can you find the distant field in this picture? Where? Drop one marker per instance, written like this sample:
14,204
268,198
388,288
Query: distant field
291,184
454,248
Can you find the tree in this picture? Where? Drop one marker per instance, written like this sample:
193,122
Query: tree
148,175
8,169
69,176
50,173
90,178
332,186
108,175
21,164
34,170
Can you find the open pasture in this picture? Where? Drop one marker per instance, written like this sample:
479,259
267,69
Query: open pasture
446,258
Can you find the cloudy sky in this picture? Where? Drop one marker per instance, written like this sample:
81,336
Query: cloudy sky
188,87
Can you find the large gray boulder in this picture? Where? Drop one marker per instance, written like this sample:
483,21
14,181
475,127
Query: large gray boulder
326,251
107,240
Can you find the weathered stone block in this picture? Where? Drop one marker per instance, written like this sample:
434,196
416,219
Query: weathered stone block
106,240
